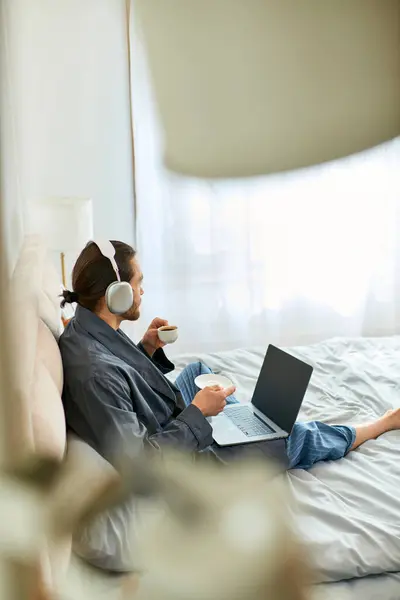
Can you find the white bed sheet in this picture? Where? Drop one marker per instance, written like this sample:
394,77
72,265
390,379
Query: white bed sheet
348,510
375,587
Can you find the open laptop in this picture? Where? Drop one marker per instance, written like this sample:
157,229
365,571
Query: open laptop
276,402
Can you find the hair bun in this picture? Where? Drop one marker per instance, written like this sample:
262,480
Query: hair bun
68,297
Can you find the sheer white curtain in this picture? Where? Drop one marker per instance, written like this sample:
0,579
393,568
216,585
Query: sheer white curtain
288,258
11,192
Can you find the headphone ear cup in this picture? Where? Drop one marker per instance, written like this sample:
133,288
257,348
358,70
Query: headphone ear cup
119,297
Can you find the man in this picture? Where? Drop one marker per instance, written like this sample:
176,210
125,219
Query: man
114,388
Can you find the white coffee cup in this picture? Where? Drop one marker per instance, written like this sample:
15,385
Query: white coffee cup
168,334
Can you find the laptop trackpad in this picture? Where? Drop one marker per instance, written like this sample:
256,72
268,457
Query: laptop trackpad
225,431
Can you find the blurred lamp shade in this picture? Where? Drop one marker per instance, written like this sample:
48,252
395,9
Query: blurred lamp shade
251,87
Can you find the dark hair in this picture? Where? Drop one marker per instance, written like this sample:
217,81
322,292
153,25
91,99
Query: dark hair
93,273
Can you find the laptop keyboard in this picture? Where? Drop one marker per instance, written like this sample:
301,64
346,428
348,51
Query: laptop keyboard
247,422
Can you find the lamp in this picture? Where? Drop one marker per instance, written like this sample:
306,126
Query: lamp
66,225
249,87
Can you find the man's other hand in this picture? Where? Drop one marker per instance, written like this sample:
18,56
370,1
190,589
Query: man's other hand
212,400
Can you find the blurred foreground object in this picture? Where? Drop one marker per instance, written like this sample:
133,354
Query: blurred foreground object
225,533
250,87
206,532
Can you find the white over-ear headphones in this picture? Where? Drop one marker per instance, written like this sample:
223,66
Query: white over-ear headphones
119,294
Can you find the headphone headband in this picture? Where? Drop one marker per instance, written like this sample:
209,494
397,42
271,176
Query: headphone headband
108,250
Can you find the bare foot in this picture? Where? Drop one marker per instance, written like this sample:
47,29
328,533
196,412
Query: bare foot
392,419
388,422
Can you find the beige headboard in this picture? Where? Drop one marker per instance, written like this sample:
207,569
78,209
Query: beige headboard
35,290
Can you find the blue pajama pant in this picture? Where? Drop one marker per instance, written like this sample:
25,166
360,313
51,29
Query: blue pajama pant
307,444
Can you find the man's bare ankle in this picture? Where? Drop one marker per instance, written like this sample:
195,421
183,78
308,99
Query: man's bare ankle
390,421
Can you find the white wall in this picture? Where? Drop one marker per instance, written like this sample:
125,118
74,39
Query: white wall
69,65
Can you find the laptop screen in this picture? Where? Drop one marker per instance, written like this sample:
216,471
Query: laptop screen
281,387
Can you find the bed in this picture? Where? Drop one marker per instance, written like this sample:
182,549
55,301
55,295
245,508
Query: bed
348,511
